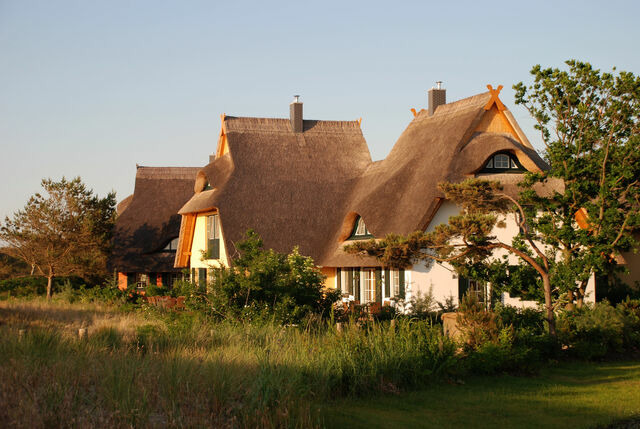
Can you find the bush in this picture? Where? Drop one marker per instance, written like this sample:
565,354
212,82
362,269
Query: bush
266,284
37,285
591,332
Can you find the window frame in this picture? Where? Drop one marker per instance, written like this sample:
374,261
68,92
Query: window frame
358,225
513,165
213,243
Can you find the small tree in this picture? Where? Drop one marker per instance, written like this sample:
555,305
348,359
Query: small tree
64,232
287,286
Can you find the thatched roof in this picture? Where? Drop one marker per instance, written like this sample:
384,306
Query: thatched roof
307,189
289,187
148,220
400,195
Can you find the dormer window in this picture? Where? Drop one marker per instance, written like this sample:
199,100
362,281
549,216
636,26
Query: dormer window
171,246
503,163
360,230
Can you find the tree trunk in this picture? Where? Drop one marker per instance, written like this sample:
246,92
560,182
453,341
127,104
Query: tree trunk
49,283
548,305
580,294
570,305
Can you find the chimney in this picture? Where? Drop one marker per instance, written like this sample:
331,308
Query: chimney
437,97
212,158
295,110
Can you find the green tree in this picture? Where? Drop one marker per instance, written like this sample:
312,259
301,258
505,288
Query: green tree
589,125
65,231
289,286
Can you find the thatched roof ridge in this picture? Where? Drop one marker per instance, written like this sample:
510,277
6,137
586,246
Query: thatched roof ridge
149,220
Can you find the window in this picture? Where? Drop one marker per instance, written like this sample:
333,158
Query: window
360,230
394,283
369,283
142,280
502,162
213,237
172,245
473,287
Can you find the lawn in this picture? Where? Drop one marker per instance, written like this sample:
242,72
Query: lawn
570,395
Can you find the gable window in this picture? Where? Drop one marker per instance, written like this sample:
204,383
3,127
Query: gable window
503,163
213,237
360,230
172,245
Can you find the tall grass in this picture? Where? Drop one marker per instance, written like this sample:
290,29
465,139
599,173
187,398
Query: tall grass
170,370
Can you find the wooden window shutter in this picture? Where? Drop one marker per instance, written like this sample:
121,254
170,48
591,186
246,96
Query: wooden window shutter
378,284
401,285
463,287
350,281
387,283
338,279
131,279
193,275
202,277
356,284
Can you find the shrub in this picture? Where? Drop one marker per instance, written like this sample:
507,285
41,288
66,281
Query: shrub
477,325
264,283
591,332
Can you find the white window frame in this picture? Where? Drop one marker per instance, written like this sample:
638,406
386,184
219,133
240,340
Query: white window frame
368,285
499,161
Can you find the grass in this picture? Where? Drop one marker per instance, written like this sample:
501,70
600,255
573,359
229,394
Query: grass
571,395
148,369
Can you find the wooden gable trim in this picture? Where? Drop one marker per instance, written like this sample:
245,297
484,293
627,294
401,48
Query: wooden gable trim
223,147
187,229
495,121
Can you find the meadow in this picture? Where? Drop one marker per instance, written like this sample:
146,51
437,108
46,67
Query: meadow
145,368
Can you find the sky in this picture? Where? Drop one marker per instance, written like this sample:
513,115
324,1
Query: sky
92,88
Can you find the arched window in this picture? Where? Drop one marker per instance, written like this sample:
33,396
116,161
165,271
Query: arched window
503,163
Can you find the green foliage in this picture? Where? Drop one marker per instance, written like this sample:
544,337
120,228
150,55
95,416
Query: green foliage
589,124
264,284
592,332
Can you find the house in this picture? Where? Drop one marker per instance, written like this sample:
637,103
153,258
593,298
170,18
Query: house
313,184
147,226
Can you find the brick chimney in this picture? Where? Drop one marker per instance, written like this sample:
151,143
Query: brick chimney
437,97
295,111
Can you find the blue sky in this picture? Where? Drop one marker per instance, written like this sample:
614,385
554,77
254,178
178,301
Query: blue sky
91,88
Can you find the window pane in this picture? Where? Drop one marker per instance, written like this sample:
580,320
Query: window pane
369,280
501,161
361,229
513,164
396,283
490,163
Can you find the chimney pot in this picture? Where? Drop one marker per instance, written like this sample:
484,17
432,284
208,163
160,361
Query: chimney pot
212,158
437,97
295,112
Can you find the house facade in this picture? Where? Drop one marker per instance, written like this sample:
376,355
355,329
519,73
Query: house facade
312,184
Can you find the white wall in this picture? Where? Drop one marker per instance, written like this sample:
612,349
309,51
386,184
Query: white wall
444,281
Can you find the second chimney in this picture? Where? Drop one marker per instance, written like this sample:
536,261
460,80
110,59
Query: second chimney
437,97
295,111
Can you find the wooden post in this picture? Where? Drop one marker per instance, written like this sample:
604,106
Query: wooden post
82,333
21,333
339,327
392,326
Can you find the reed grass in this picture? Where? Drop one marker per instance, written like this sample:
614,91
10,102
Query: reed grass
148,369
